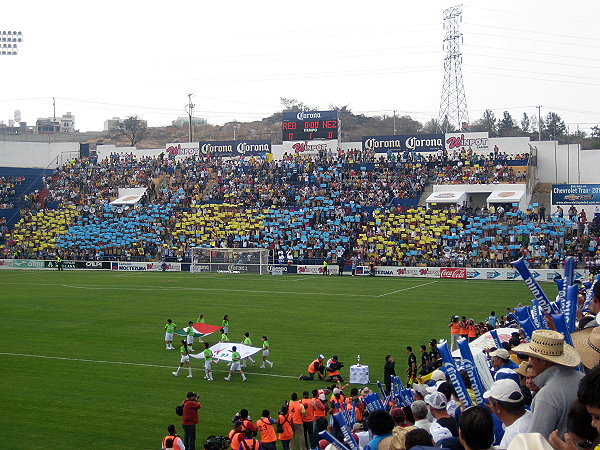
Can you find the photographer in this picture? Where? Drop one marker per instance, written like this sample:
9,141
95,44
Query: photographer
172,441
189,419
333,369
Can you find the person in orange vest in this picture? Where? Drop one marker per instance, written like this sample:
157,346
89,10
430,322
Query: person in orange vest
236,435
172,441
249,443
315,367
308,421
333,369
471,330
355,401
244,417
321,407
464,330
268,438
337,403
454,326
296,413
285,432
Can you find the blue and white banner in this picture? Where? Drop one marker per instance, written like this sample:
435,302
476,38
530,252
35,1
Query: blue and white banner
575,194
329,438
532,284
373,402
468,363
494,334
570,307
340,418
452,373
403,143
569,270
235,148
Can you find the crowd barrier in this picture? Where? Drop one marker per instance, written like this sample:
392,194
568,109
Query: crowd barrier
465,273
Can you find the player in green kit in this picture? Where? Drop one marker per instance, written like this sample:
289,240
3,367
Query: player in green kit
185,359
201,319
265,353
208,360
169,329
247,341
236,366
190,335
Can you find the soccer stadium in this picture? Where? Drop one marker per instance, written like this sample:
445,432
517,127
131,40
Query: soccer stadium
336,285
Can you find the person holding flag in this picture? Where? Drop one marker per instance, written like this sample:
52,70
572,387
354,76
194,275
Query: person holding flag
265,353
235,364
225,323
247,341
189,330
169,329
185,359
208,360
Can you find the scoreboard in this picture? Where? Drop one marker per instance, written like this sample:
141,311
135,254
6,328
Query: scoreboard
309,125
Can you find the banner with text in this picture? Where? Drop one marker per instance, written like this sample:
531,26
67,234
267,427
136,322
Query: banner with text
576,194
404,142
474,141
310,147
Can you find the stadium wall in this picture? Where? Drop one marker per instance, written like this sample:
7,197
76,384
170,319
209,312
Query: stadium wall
37,155
465,273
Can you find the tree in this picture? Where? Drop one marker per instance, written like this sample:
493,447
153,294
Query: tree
506,126
595,131
291,104
554,127
525,123
486,123
431,126
133,129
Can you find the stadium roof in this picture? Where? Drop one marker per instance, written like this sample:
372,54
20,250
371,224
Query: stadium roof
447,197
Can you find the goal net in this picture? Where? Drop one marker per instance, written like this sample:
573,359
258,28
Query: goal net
230,260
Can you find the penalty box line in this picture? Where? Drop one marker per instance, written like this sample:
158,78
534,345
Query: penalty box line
124,363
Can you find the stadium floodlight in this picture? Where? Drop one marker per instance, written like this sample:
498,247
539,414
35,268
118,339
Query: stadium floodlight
8,42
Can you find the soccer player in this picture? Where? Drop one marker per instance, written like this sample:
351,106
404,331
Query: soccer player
185,359
235,364
190,335
208,360
247,341
412,367
265,352
424,361
224,337
169,329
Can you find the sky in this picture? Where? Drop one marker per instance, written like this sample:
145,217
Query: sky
238,58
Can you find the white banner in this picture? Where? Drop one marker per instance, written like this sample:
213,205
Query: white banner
148,266
223,350
475,141
6,263
487,341
310,147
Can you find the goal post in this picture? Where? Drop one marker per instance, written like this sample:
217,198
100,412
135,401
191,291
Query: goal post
230,260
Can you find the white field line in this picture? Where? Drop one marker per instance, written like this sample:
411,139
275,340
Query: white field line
175,288
122,363
406,289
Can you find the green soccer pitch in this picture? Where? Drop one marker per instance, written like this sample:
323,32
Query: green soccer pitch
83,360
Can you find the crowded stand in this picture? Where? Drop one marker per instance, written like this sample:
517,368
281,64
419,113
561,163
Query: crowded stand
314,208
7,190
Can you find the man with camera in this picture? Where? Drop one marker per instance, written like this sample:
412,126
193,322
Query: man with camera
189,419
333,369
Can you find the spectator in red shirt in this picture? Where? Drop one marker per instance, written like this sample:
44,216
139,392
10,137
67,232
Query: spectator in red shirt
189,419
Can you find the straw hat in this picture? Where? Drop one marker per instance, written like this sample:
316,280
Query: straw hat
522,369
587,344
550,346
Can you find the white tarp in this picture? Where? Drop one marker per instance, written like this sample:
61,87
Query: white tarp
223,350
447,197
508,196
129,196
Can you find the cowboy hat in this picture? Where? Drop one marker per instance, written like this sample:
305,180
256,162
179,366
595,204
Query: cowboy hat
587,344
550,346
522,369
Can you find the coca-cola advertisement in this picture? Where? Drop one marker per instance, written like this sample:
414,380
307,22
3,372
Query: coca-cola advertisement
453,272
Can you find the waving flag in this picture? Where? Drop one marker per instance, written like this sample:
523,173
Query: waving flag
200,329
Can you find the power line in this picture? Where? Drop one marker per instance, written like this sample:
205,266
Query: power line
487,26
532,52
535,40
533,13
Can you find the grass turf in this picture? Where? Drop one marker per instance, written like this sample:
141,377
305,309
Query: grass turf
87,328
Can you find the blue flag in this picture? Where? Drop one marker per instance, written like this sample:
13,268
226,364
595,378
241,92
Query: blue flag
341,421
329,438
469,364
532,284
455,378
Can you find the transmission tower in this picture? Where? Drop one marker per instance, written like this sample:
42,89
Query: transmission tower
453,105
